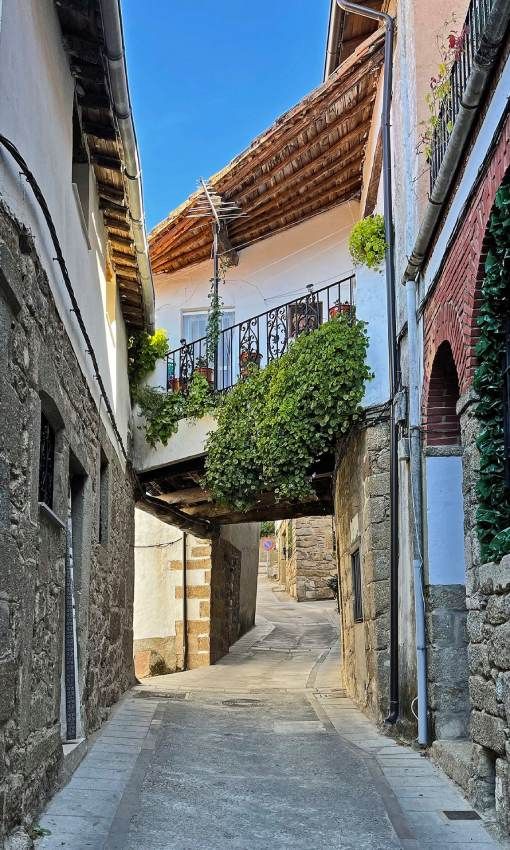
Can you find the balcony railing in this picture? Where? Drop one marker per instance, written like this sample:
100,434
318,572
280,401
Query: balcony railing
474,26
259,339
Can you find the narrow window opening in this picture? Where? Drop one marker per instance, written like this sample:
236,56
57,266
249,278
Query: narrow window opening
104,505
357,598
46,462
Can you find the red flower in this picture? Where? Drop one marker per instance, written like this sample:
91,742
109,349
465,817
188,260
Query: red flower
452,41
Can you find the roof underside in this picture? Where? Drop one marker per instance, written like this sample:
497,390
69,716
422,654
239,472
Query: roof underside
310,160
349,32
83,41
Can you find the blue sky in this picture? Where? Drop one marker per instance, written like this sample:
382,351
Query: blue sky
207,77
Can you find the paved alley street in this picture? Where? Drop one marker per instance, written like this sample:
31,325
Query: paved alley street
262,750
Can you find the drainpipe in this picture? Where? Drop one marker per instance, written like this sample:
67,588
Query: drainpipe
416,510
184,602
483,63
394,372
116,60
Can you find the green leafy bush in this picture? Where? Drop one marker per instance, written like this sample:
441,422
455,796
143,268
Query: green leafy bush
493,515
144,350
277,422
367,242
163,411
267,528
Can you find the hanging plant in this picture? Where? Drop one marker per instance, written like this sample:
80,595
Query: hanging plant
144,350
276,422
162,411
493,515
367,242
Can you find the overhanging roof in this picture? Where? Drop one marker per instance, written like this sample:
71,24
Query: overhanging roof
310,160
345,32
111,156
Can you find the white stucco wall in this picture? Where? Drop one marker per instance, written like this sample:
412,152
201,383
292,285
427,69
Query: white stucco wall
155,607
445,520
36,110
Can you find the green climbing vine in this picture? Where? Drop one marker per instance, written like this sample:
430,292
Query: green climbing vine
144,350
162,411
493,516
274,424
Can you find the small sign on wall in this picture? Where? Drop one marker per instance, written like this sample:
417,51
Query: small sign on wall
268,544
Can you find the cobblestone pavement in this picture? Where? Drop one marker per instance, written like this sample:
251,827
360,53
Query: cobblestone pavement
261,751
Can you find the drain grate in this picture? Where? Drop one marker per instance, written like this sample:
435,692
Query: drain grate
158,695
459,814
241,703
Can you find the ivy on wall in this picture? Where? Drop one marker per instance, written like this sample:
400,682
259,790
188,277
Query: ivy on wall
276,423
163,411
144,350
493,515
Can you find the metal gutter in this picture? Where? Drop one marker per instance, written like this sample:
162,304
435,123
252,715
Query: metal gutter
116,59
394,370
335,26
483,63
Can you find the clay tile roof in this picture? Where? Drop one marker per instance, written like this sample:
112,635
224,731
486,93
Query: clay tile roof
308,161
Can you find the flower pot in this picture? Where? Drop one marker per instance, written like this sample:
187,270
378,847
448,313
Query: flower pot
174,385
339,309
248,358
207,372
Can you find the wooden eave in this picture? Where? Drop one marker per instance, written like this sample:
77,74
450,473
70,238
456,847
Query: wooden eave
82,38
352,30
310,160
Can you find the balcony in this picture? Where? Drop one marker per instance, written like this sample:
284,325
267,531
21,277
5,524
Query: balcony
257,340
472,33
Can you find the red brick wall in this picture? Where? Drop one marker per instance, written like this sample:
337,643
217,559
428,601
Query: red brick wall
442,425
450,314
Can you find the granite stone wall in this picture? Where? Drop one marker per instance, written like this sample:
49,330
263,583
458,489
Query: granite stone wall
40,373
361,501
311,561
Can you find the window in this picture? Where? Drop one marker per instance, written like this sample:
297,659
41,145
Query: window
46,462
104,487
357,600
506,401
194,324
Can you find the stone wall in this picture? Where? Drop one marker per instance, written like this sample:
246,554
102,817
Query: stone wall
361,500
489,681
218,609
306,556
39,372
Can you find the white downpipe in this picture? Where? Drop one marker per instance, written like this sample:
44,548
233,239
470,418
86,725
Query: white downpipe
416,510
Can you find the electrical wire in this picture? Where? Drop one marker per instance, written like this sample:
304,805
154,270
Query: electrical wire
16,155
158,545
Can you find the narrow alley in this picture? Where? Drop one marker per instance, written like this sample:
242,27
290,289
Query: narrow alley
261,750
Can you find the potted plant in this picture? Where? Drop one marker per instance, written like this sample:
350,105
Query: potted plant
172,383
339,308
367,242
247,359
202,368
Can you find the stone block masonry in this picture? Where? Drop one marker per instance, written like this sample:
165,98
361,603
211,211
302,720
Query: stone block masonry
361,499
39,373
306,557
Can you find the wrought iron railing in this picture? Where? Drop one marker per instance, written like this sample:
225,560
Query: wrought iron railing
259,339
474,26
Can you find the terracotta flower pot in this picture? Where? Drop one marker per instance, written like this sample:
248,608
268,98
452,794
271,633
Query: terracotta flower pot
207,372
339,309
247,359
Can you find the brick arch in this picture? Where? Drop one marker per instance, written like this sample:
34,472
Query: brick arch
453,308
446,328
442,424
